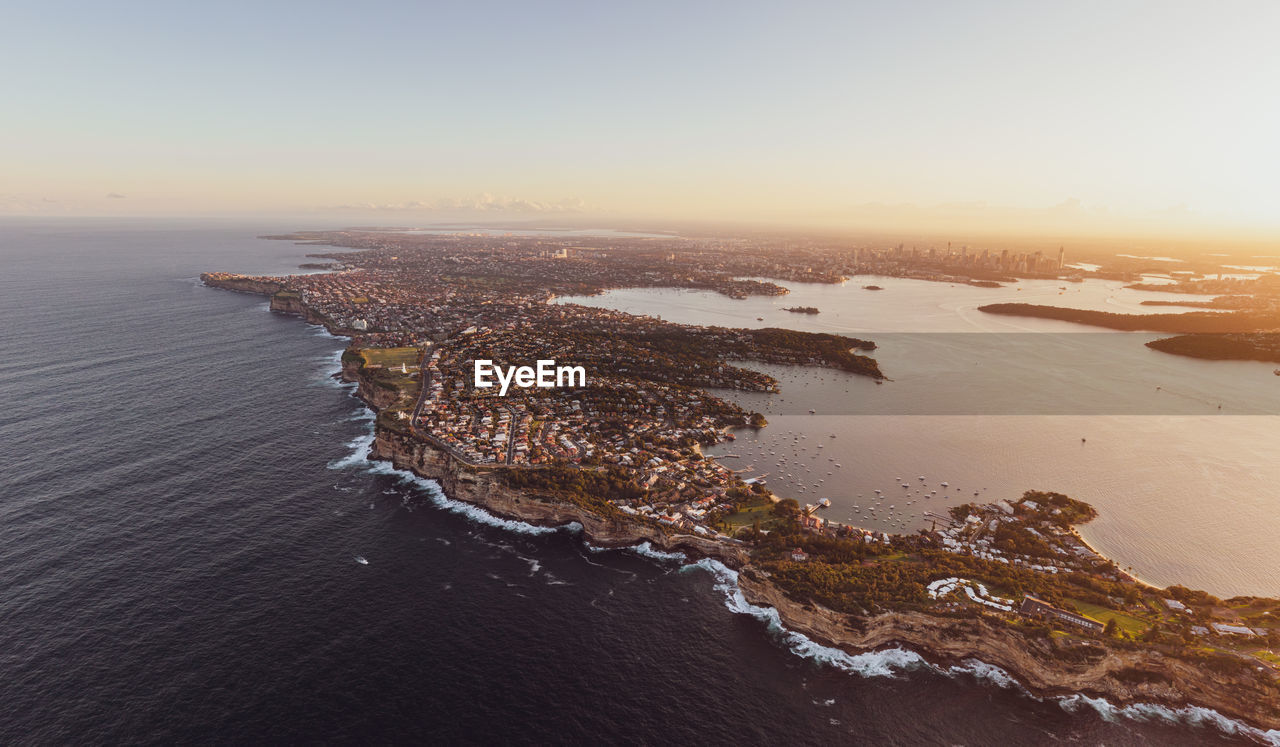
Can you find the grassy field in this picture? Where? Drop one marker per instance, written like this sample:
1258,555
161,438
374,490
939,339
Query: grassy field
391,357
1267,656
1259,613
1128,623
748,515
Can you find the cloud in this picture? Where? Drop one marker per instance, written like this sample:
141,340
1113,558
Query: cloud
484,202
114,196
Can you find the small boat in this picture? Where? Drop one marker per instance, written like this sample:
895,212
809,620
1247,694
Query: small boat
1276,372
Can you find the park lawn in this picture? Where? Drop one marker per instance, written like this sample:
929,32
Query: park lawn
1258,612
1267,656
391,357
748,515
1128,623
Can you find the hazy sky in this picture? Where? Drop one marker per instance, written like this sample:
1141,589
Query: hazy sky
1151,116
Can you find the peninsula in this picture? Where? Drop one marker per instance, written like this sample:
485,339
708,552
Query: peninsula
1261,346
1009,583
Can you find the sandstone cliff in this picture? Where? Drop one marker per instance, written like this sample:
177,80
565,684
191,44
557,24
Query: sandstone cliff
485,487
1044,667
241,283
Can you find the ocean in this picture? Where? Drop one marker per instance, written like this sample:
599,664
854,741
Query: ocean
194,549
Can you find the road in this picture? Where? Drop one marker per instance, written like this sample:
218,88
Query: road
424,375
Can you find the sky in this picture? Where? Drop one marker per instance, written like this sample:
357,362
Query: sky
1125,117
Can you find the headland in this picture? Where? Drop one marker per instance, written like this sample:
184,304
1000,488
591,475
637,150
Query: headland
1009,583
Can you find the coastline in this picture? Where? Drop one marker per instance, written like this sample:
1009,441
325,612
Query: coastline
944,643
1174,689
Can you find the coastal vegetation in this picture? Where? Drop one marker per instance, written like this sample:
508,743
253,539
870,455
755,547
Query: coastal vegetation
1197,322
391,357
624,453
1263,346
596,489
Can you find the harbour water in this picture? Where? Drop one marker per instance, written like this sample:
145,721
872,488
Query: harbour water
1181,456
183,510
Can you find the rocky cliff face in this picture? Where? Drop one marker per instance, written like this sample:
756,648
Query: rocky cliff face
1040,665
375,396
240,283
1043,666
485,487
289,303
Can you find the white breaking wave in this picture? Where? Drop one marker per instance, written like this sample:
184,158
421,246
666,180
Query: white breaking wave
645,549
981,670
331,366
475,513
1189,715
359,456
319,331
885,663
889,662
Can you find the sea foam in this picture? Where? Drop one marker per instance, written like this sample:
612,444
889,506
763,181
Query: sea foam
362,446
645,549
883,663
892,661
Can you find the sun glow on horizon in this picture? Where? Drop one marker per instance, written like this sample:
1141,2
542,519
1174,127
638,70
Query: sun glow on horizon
1121,119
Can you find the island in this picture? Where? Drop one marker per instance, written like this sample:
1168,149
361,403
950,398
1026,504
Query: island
802,310
1010,583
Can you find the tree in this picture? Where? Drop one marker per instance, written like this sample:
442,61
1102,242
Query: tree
1111,628
786,507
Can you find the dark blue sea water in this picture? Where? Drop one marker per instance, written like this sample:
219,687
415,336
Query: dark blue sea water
183,499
